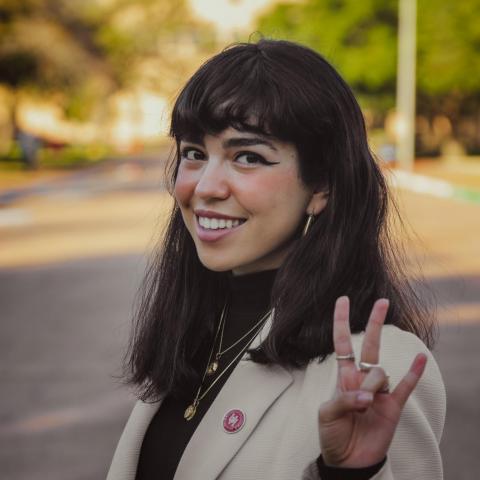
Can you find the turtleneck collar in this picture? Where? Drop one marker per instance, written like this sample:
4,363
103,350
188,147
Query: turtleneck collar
250,293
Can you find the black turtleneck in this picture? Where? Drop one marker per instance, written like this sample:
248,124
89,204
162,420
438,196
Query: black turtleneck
169,433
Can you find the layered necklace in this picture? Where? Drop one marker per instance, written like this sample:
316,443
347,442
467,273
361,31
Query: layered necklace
214,361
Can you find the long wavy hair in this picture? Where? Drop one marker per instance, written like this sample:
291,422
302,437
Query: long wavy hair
288,91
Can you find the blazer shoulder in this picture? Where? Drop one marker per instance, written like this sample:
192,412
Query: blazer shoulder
398,350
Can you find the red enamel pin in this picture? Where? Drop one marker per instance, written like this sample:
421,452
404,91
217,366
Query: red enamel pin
233,420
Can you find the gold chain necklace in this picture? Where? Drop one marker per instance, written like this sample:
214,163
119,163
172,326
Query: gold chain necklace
192,409
213,366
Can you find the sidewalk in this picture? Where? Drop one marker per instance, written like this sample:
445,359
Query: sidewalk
26,179
459,181
463,173
144,170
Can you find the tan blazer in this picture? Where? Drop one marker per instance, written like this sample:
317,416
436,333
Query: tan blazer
280,440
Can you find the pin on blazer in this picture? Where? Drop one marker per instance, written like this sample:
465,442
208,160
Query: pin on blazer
279,439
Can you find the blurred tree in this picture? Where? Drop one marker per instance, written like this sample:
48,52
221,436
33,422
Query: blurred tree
448,66
82,50
42,51
360,40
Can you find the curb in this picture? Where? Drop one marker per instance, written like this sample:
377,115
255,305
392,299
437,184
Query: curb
432,186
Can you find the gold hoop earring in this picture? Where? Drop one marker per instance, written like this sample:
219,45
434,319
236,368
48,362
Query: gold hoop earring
306,228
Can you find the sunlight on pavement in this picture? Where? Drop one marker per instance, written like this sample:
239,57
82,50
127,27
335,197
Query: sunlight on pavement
104,407
14,216
44,422
444,240
444,234
459,314
62,229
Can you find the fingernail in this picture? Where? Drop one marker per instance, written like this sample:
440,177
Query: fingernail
365,397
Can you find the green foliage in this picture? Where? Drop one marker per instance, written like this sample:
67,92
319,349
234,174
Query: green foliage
359,38
67,46
12,159
448,46
72,156
68,157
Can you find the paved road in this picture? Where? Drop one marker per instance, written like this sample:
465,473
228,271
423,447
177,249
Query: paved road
62,333
65,315
61,339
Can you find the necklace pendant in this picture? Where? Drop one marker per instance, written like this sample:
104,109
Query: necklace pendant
190,411
212,368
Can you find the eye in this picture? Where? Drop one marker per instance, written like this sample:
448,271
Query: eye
250,158
190,153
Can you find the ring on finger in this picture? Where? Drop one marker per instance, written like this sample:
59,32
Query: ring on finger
366,367
349,356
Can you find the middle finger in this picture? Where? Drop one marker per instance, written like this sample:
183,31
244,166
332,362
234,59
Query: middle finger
371,341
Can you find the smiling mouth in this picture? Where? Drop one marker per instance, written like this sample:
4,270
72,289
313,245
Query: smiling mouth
218,223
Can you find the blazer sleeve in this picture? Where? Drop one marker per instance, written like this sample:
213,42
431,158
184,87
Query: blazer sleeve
414,452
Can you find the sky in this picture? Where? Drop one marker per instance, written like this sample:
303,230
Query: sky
230,16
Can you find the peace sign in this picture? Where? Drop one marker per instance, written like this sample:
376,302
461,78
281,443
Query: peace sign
357,425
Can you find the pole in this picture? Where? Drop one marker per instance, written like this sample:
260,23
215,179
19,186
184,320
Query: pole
406,80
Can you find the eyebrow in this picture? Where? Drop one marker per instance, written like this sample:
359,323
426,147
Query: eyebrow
247,142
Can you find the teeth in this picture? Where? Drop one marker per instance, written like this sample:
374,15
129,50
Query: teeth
217,223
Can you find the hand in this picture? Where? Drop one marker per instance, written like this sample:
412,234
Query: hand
358,423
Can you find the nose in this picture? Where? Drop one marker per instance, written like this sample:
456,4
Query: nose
213,181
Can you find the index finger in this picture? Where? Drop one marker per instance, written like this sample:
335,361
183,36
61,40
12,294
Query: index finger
342,337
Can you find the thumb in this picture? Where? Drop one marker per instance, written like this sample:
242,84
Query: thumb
345,402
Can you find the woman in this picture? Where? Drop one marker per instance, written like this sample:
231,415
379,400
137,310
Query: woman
242,350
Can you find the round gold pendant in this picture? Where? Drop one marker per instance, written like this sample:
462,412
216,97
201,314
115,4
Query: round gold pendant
190,412
212,368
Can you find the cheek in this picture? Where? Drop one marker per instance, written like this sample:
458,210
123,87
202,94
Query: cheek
273,192
258,191
184,186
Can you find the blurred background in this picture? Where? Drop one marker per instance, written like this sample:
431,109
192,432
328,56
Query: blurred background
85,92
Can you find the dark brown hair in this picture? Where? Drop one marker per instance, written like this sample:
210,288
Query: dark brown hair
295,95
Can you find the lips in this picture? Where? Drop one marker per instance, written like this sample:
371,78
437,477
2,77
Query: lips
211,229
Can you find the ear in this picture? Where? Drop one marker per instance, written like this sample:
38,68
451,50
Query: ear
318,202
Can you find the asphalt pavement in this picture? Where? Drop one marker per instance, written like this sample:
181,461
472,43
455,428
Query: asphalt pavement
72,255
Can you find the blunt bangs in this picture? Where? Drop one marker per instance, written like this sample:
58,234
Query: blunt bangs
248,87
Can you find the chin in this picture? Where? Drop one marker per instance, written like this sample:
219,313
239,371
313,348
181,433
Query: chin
217,264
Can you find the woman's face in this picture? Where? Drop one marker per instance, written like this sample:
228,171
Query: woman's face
242,199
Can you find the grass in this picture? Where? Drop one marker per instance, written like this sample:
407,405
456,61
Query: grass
64,158
52,163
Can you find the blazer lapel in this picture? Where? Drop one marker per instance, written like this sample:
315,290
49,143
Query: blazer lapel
251,388
125,459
